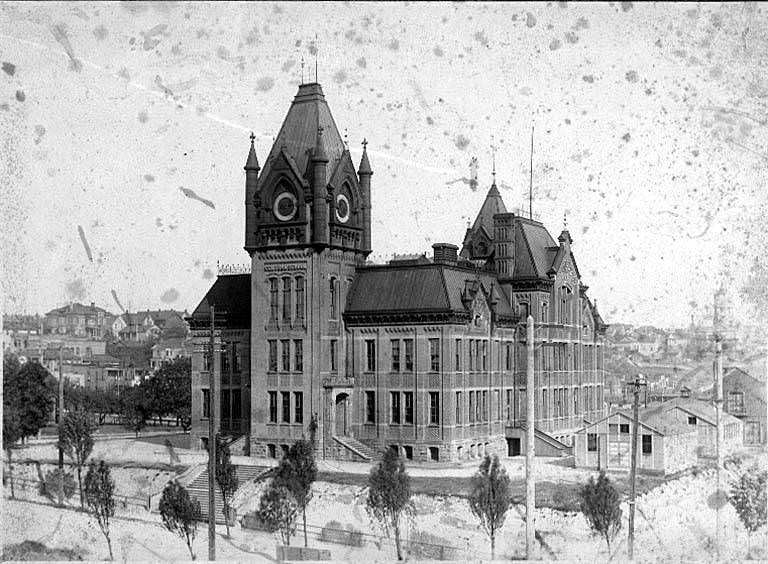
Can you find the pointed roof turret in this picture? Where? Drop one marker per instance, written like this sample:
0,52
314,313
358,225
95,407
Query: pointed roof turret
252,163
365,165
492,205
298,135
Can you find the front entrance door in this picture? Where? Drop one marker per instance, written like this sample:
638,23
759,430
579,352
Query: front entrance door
513,447
618,455
341,427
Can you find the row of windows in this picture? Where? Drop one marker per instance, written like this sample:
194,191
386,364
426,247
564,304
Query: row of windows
478,406
592,441
561,401
230,403
402,355
407,405
229,357
285,356
284,414
292,295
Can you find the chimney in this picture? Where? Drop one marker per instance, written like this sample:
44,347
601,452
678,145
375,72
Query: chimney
445,253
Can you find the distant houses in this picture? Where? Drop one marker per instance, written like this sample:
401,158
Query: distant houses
745,399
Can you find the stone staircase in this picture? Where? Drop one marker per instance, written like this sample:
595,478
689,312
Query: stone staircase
545,437
358,448
198,489
238,446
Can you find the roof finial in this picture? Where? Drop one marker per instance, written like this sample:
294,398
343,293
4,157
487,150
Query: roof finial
493,157
565,220
365,144
252,137
316,50
346,139
302,69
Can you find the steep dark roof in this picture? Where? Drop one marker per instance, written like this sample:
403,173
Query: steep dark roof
298,133
492,205
535,251
423,288
230,294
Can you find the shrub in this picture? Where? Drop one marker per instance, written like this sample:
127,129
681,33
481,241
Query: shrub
50,488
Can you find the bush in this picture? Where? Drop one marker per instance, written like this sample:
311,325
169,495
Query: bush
600,505
50,488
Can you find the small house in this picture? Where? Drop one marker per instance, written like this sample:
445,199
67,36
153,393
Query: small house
664,445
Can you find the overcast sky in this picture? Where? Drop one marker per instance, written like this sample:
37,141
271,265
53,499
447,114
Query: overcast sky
125,126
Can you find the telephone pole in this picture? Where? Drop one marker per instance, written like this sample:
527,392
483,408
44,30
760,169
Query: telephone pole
719,444
212,442
530,478
61,418
636,384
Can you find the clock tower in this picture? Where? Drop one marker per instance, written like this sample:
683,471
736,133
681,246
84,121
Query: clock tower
307,228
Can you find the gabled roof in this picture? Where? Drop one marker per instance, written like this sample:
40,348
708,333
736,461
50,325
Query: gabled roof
483,225
419,288
78,309
535,251
230,294
298,134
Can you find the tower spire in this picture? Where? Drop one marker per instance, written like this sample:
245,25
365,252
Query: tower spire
493,157
316,51
530,182
302,69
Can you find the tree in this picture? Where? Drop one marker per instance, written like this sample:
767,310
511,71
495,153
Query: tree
389,495
170,391
76,440
600,505
102,402
28,399
297,471
748,497
180,514
226,477
490,497
278,510
100,497
134,407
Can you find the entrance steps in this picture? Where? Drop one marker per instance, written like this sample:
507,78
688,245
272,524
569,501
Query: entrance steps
546,444
355,446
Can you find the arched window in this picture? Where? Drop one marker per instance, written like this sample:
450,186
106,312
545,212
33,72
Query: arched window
287,299
565,305
273,305
299,298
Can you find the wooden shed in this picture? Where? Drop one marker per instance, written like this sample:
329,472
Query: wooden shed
664,445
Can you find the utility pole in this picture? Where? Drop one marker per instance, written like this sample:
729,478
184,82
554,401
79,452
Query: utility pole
633,468
530,478
61,418
212,443
719,443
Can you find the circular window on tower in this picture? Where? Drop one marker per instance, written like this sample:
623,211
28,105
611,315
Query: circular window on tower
285,206
342,208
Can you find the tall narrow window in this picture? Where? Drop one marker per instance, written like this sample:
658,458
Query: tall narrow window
458,355
434,408
370,355
273,305
544,313
298,407
285,345
237,410
647,444
272,407
287,300
298,355
333,291
332,344
408,355
471,355
485,355
408,407
224,360
206,361
434,355
395,403
206,403
458,409
471,407
286,407
235,357
478,406
299,300
395,355
273,356
544,404
485,405
224,404
370,407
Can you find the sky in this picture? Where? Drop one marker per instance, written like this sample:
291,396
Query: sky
125,128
